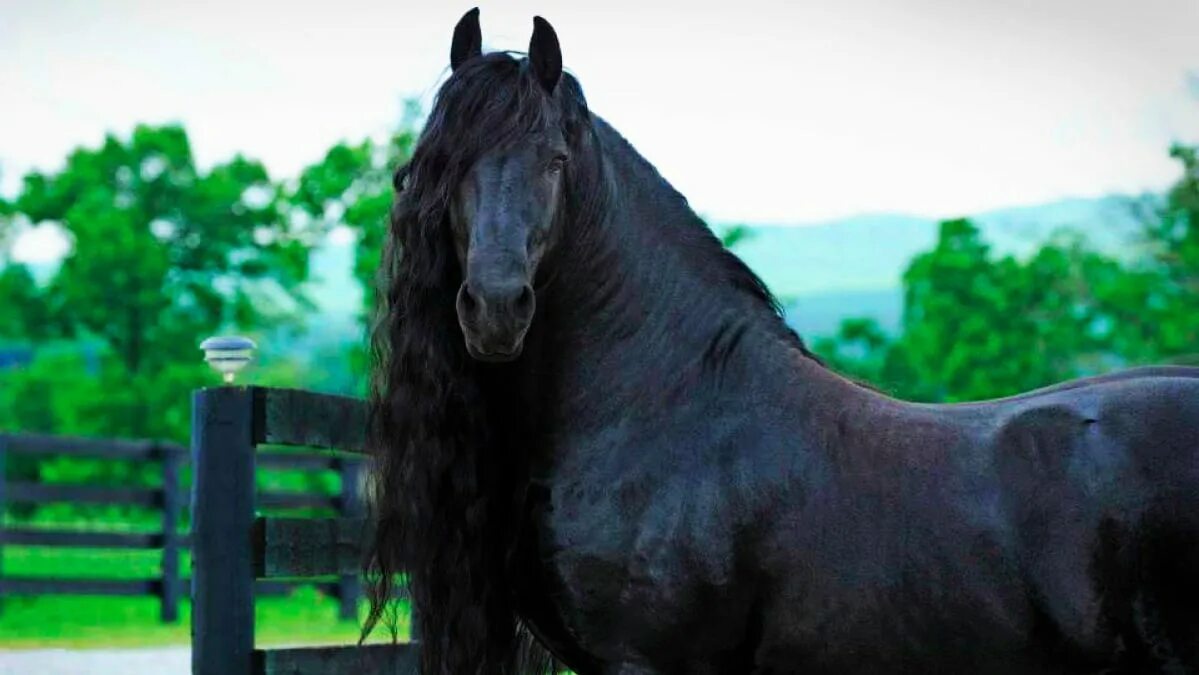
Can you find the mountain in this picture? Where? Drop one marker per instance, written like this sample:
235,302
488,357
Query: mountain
870,252
820,314
831,271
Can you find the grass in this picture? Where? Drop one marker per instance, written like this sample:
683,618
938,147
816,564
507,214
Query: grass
304,617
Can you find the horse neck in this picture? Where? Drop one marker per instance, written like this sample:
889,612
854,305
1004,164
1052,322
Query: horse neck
645,307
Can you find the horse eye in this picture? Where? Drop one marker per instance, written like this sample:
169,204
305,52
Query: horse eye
556,164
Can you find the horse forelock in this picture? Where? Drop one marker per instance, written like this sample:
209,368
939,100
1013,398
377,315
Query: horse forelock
491,101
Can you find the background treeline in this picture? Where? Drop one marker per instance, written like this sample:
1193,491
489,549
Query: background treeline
976,325
164,254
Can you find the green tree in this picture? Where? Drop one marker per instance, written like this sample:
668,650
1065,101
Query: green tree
164,253
735,234
25,315
1168,295
6,228
862,350
352,186
953,301
978,327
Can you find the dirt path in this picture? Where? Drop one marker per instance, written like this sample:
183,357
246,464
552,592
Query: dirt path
157,661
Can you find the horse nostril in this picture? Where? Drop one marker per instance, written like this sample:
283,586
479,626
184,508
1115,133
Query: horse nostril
524,301
502,301
468,305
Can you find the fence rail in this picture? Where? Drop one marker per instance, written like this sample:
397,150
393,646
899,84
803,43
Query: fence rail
168,586
234,548
171,499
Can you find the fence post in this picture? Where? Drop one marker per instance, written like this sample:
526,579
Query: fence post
172,507
349,505
222,523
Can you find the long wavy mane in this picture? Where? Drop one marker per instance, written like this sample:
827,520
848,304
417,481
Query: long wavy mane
446,492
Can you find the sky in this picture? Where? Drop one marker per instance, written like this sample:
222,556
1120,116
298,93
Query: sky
758,111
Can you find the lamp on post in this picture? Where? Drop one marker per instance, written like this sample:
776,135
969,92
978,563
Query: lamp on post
228,354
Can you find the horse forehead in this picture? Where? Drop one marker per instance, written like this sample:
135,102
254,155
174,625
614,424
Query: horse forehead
545,134
495,169
511,160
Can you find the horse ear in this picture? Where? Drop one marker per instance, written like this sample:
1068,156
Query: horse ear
468,39
545,54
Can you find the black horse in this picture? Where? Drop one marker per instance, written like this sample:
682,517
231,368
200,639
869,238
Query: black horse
593,427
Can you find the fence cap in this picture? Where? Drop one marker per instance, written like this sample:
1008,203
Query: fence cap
228,354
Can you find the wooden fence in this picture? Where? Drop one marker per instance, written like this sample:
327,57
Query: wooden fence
168,497
234,547
171,499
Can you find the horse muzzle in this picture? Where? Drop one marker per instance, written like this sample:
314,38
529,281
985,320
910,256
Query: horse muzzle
494,319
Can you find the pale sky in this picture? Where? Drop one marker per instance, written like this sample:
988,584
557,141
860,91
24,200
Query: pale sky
758,111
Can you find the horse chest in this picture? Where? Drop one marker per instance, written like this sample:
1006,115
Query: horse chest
632,568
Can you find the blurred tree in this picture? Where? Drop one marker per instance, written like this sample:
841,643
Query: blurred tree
953,302
24,314
735,234
6,228
162,253
862,350
1167,297
352,186
977,327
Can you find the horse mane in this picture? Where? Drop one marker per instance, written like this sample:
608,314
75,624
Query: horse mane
722,265
444,485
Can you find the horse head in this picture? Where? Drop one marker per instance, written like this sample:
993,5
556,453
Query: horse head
506,206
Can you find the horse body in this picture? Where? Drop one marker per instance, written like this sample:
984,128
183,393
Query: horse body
782,519
642,464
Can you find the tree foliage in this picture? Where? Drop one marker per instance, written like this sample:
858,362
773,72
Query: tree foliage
25,315
979,326
162,252
862,350
6,227
975,326
734,235
352,186
1170,288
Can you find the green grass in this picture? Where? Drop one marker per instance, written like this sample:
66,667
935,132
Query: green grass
305,617
75,563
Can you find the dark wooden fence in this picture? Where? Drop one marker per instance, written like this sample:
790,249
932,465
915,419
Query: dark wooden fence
171,499
168,497
235,547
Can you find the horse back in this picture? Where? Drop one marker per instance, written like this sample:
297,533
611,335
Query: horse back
985,536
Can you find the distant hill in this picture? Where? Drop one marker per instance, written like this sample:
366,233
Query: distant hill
820,314
870,252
